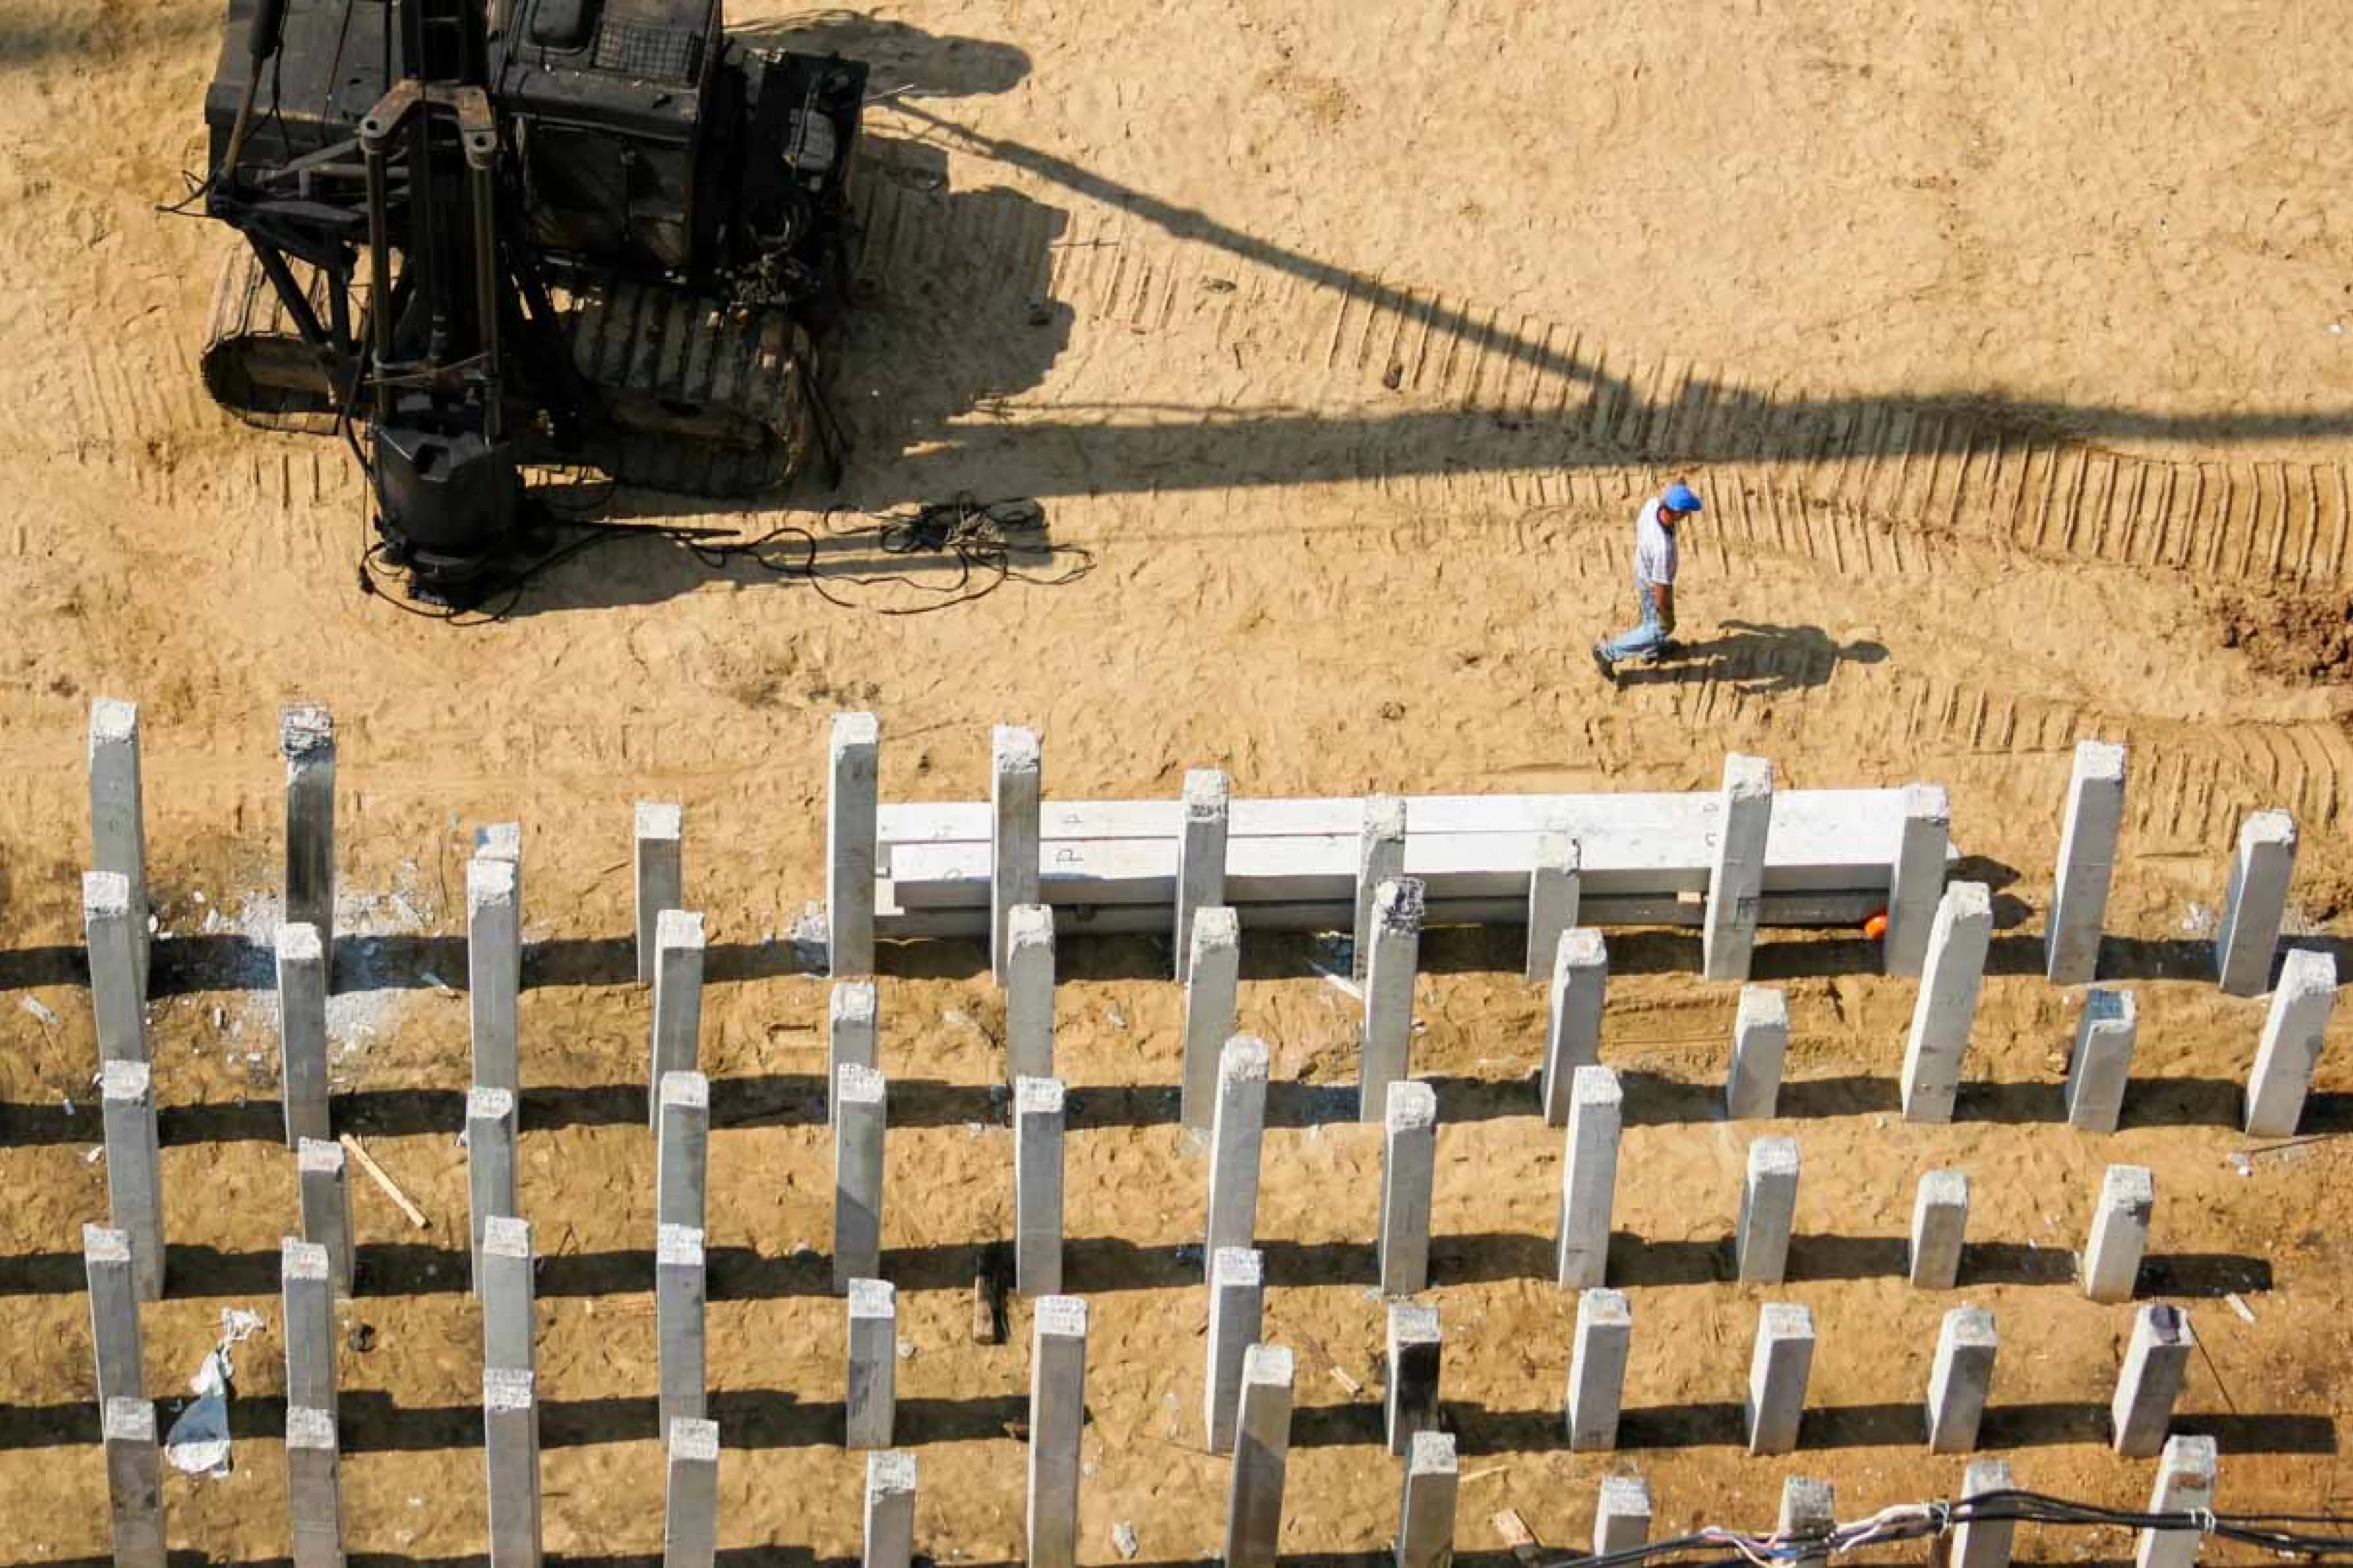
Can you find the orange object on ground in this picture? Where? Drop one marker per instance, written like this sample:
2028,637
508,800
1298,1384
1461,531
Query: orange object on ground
1875,928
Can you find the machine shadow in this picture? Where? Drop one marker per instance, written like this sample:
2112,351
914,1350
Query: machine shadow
904,61
956,312
1758,425
951,315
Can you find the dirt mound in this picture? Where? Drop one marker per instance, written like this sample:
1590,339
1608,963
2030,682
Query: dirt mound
2293,635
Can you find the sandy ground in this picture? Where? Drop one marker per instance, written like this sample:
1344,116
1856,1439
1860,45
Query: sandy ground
2008,349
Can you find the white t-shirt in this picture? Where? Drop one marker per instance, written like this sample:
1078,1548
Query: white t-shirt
1654,547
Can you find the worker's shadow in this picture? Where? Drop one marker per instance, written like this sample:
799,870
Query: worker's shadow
1757,658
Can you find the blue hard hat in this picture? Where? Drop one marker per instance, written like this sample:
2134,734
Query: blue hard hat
1680,497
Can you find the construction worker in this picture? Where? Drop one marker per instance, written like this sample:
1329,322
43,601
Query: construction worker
1654,582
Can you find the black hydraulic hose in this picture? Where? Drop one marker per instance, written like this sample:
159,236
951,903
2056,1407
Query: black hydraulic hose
422,194
486,290
379,275
267,30
262,37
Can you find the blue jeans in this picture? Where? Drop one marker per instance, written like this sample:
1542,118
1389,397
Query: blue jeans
1643,640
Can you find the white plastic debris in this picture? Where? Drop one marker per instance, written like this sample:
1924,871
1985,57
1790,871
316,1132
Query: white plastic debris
2246,1313
34,1005
197,1444
1123,1537
1332,956
811,937
1340,983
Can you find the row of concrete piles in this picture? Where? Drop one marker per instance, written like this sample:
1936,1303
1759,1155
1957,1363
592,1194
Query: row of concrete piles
1940,933
124,1260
